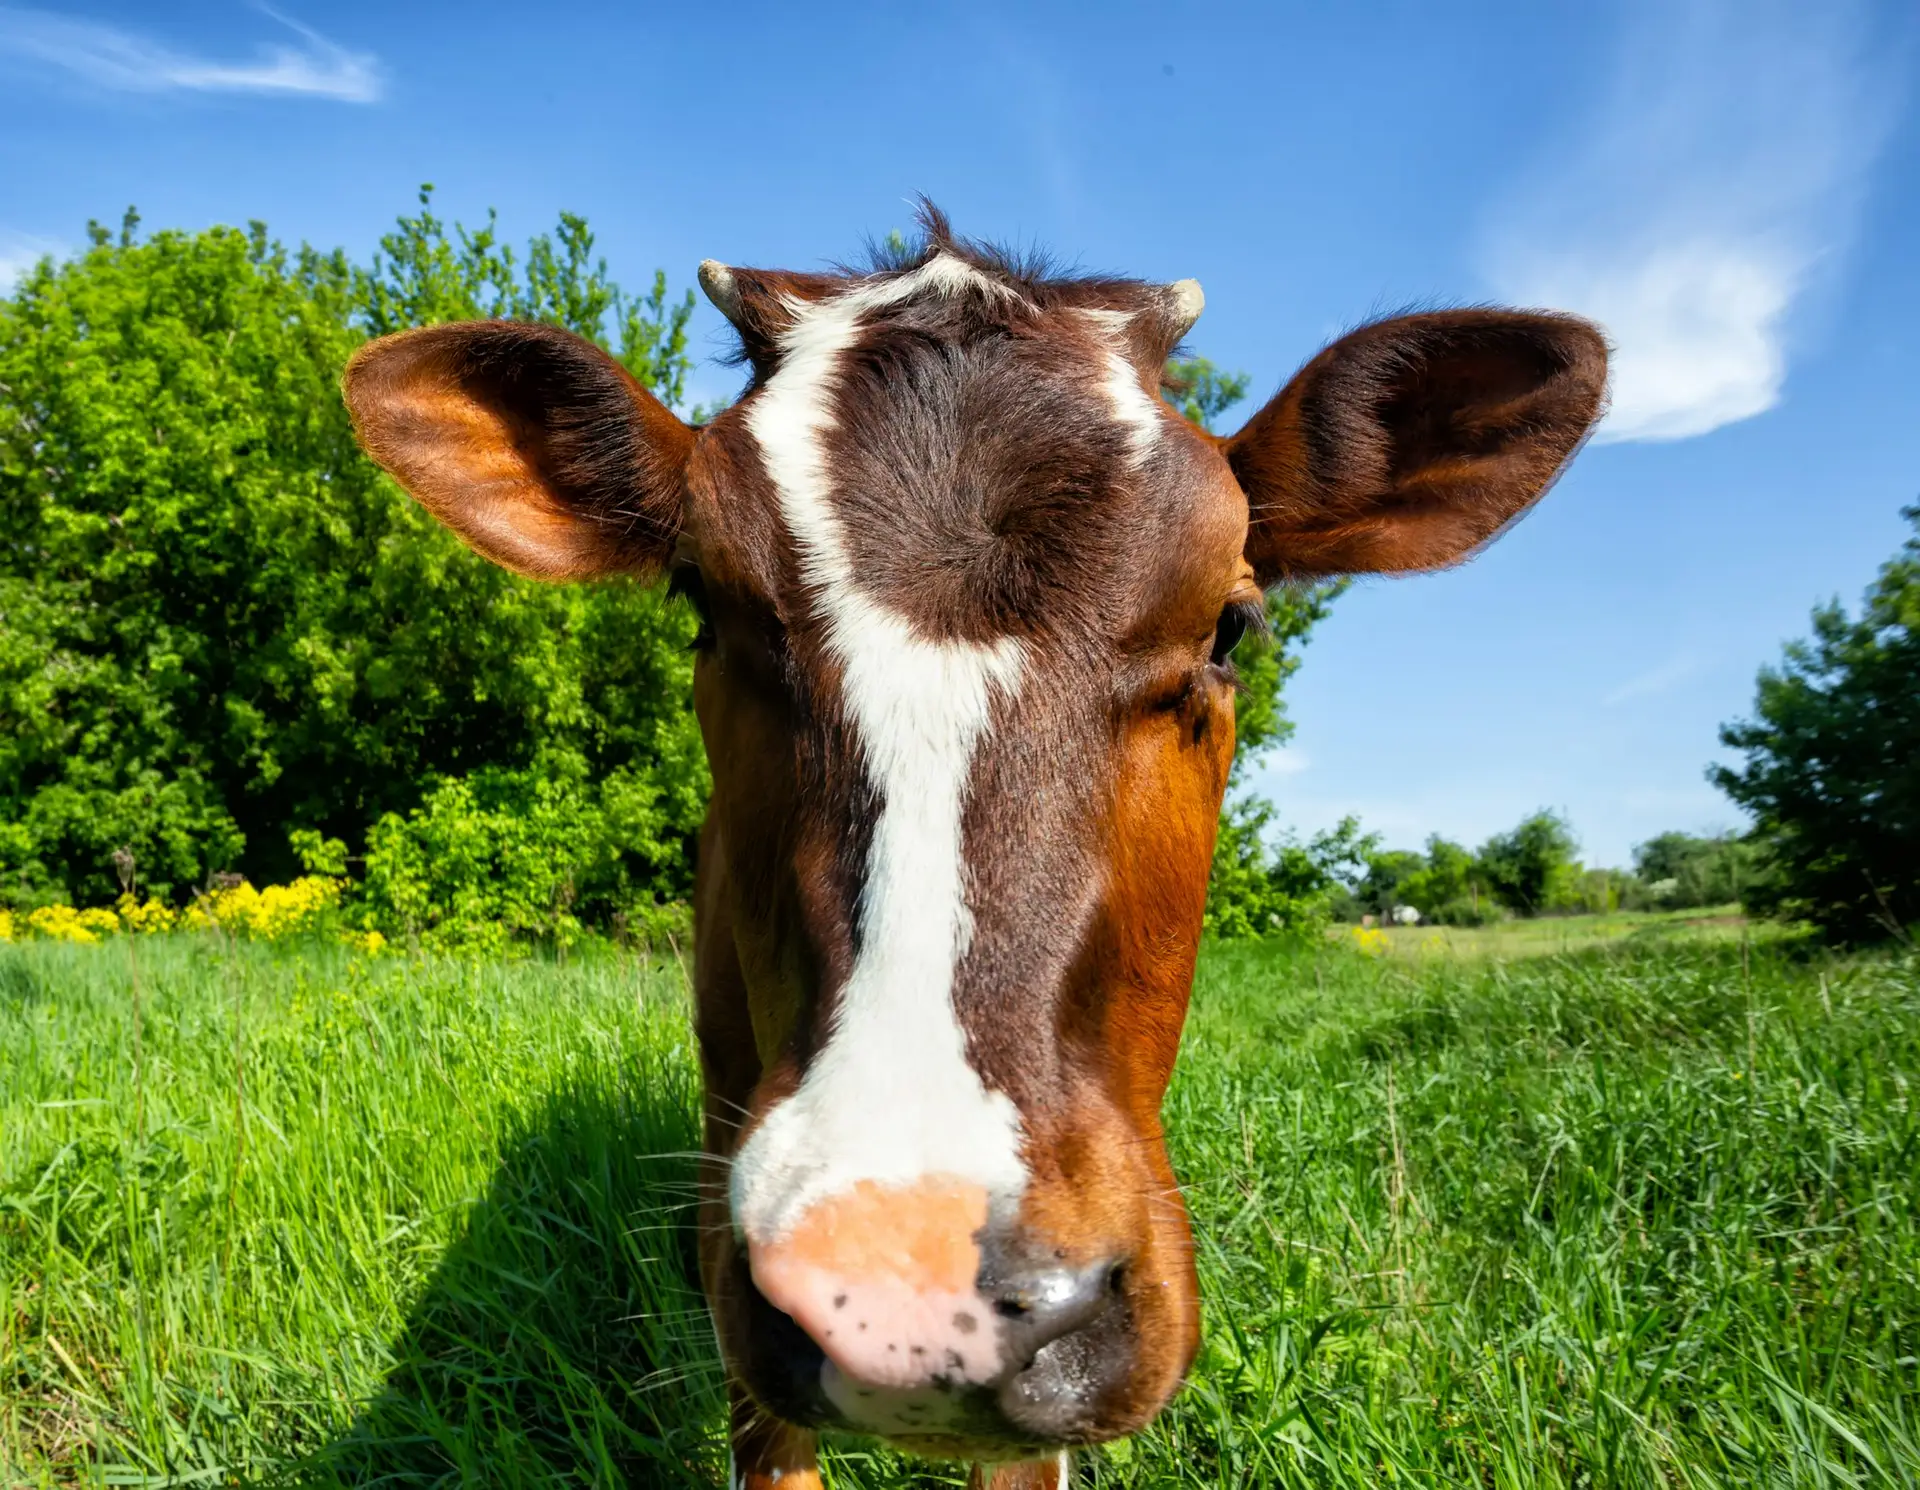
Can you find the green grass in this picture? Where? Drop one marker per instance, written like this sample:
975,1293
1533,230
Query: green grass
1642,1214
1563,934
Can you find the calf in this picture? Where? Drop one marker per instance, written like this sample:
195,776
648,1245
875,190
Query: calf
968,592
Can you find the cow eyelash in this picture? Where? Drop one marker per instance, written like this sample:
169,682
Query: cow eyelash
686,584
1238,620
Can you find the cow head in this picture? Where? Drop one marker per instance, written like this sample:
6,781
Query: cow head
969,591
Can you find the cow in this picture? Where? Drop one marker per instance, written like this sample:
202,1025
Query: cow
968,591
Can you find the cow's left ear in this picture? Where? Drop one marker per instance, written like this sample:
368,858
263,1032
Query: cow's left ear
538,449
1410,443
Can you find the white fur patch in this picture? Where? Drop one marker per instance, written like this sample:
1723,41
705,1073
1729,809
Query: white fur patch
1137,410
890,1097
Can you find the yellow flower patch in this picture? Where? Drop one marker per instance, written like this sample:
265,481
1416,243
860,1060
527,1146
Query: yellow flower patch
1370,939
62,923
269,914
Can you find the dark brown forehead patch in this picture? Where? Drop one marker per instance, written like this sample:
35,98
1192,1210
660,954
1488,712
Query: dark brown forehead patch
981,478
985,481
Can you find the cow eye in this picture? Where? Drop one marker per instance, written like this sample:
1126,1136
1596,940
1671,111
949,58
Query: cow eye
686,584
1235,621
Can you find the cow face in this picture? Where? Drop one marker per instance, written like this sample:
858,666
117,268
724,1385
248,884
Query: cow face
969,591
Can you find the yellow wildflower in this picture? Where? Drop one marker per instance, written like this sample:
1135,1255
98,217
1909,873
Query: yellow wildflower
144,919
62,923
269,914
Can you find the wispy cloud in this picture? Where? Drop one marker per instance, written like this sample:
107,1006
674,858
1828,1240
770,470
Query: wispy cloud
1655,680
1717,176
113,57
19,252
1284,760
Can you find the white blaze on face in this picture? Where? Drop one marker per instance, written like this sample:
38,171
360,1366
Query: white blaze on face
890,1097
1136,410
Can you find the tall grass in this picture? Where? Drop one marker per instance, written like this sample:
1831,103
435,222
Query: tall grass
1632,1216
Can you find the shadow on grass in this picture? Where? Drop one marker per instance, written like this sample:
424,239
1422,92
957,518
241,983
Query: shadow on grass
562,1339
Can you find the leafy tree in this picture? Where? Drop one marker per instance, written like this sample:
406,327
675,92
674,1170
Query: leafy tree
1258,887
1832,770
1680,869
1385,884
1203,393
1528,866
1446,880
1444,883
1261,886
220,624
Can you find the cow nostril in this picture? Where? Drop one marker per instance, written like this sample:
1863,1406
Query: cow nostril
1042,1305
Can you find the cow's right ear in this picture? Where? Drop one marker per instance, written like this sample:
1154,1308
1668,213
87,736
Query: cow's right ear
538,449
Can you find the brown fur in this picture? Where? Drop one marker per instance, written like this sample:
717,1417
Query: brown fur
986,491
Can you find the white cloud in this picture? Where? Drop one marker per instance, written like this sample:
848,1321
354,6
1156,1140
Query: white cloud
111,57
1284,760
1716,177
1656,680
19,252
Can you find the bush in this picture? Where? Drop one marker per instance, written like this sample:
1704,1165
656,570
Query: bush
1482,912
1832,771
505,856
1285,886
1531,868
221,624
1680,870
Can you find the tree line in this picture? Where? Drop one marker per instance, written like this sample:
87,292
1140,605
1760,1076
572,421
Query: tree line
1830,775
232,647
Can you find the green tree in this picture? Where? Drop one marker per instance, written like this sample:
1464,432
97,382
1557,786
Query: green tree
1832,769
1260,884
220,624
1202,392
1385,884
1263,884
1447,886
1682,869
1530,867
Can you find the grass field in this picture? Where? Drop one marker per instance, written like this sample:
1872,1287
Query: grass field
1564,934
1639,1214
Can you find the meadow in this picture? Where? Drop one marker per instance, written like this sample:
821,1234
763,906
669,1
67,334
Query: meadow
1542,935
1638,1212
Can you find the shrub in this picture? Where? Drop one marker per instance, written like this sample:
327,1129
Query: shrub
1482,912
220,623
1260,887
501,856
1832,770
274,914
1531,868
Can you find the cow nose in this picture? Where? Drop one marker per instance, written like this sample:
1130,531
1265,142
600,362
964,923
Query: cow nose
1037,1305
906,1287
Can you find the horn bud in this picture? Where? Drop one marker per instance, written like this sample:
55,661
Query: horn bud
1185,301
724,290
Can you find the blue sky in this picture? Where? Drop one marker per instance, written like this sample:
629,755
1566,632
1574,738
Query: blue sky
1734,189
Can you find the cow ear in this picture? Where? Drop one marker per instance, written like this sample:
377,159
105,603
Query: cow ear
1412,442
538,449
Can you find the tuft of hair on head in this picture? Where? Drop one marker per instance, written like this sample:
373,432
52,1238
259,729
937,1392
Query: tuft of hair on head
1024,270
